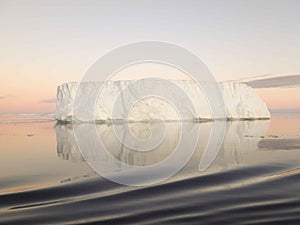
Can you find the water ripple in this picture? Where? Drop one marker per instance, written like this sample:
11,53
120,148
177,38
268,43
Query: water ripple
255,195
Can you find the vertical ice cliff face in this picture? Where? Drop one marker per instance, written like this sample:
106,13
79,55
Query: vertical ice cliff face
241,102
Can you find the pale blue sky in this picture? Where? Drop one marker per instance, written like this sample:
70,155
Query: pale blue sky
51,42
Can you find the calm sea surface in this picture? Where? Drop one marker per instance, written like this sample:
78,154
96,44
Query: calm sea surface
253,179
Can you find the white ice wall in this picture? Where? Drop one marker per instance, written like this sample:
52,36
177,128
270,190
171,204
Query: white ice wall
241,102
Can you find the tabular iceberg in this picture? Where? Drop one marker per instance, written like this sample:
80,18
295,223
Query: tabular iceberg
241,102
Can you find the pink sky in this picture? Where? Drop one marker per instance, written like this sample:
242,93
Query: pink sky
46,43
281,98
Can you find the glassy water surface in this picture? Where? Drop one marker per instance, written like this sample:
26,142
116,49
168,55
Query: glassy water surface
254,179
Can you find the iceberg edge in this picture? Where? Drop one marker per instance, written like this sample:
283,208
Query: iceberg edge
240,100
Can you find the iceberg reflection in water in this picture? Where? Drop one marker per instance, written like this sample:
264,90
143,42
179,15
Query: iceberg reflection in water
254,179
241,137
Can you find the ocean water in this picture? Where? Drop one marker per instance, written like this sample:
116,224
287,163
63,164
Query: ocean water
253,179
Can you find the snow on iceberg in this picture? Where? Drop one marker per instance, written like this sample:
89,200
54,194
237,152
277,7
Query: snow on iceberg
241,102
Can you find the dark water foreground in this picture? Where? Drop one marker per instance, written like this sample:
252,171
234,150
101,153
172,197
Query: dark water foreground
254,179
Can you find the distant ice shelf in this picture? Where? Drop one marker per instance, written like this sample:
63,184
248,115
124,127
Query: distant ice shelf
240,100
